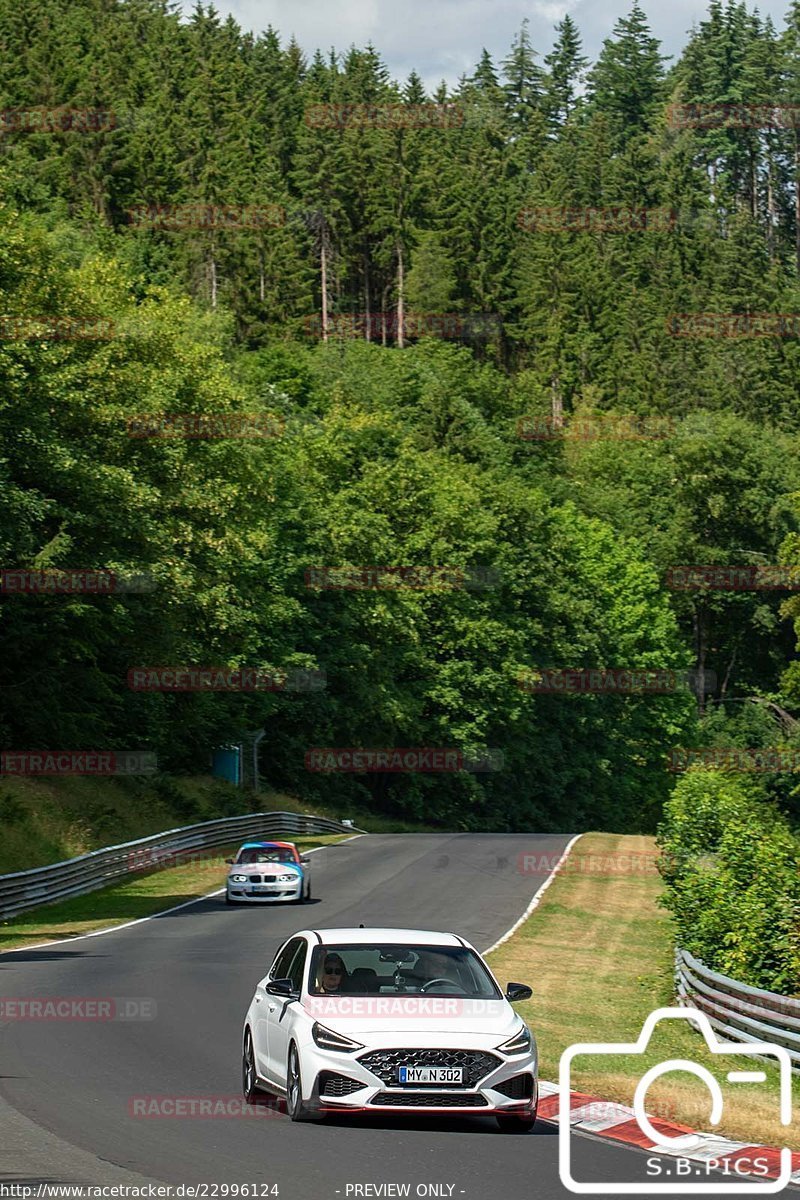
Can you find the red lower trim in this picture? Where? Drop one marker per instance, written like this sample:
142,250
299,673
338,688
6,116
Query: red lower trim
413,1110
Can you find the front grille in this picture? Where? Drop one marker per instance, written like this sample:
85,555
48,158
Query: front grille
475,1063
429,1100
331,1084
254,879
518,1087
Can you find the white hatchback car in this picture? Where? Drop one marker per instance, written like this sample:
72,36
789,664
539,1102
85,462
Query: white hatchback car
389,1020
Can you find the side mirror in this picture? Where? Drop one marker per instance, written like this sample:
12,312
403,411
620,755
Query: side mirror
280,987
305,861
518,991
230,861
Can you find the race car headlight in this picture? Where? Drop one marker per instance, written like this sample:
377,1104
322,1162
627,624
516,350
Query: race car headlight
238,879
326,1039
288,878
520,1043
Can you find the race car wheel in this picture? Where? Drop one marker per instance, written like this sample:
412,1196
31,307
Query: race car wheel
297,1110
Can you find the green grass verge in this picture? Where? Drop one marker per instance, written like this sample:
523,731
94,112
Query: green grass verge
598,952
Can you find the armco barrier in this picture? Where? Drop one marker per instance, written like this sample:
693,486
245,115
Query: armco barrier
42,885
742,1013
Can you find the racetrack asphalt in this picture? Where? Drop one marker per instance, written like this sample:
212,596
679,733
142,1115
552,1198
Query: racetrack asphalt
66,1087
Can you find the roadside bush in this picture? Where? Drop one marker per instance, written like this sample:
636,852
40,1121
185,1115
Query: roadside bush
731,865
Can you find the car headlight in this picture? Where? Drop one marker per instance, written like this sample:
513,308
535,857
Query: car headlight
520,1043
326,1039
238,879
288,878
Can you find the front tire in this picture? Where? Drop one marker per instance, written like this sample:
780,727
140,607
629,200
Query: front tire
296,1109
249,1089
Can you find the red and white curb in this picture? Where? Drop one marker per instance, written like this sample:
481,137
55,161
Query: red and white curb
618,1122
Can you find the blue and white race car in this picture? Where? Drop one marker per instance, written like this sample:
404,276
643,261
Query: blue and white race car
272,871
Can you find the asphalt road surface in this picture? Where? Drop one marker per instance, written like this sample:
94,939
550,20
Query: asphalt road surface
67,1087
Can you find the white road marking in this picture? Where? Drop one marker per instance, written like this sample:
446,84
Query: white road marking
537,897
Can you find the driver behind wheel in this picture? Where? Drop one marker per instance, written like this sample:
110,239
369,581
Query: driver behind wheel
431,965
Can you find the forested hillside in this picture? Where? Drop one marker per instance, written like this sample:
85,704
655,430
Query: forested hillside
399,439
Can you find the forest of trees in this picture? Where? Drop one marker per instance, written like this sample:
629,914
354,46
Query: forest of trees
398,448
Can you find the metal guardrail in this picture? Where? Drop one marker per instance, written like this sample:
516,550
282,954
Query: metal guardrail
743,1013
43,885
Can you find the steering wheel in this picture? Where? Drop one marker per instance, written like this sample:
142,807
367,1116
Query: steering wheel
449,982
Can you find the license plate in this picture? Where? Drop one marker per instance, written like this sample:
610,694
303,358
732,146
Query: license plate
431,1074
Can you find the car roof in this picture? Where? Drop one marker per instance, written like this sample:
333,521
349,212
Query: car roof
267,846
427,937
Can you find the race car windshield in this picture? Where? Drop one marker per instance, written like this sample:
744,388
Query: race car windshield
277,854
384,970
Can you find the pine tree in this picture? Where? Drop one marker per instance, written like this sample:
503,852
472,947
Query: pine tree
566,69
626,82
523,86
414,90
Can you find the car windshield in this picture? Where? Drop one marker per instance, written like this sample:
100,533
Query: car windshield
390,969
279,854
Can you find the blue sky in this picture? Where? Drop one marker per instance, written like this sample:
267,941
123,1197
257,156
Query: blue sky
442,39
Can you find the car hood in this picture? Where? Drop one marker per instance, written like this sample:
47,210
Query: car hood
459,1019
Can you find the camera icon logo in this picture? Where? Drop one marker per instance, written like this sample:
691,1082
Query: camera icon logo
684,1143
